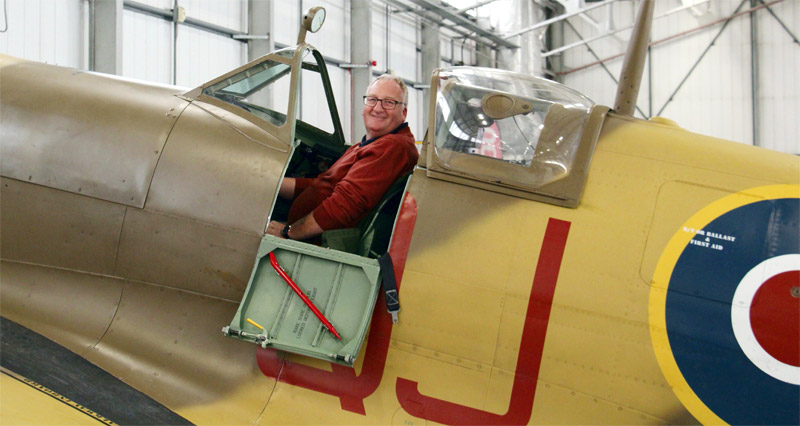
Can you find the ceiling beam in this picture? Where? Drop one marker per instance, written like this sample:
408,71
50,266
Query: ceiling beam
474,6
557,18
435,18
465,23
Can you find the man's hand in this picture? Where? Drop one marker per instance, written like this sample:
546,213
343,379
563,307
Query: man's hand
303,229
274,228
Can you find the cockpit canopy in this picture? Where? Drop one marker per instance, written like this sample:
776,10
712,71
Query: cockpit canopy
515,130
502,115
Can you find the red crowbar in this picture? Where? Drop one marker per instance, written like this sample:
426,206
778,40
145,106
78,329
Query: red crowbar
302,295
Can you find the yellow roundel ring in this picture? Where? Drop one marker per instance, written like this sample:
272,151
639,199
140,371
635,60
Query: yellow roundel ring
691,306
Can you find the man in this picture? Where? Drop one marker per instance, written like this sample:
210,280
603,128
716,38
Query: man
341,196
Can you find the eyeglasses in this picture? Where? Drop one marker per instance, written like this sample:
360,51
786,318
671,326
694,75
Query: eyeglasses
385,103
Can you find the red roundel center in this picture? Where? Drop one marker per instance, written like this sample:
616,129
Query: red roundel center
775,317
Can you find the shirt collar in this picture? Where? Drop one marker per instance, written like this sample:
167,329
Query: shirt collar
365,141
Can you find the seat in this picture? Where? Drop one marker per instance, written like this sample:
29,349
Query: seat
372,235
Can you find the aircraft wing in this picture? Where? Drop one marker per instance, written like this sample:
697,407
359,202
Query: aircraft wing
49,368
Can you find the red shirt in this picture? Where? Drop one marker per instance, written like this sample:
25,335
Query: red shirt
341,196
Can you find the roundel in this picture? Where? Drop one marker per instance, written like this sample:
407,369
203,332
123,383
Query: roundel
725,309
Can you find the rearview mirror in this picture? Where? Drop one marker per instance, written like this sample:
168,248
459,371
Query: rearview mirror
499,105
314,18
312,21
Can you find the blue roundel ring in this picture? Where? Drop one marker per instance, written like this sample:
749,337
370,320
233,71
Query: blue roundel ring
700,303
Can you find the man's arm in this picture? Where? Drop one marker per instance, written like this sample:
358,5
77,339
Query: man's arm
378,165
286,190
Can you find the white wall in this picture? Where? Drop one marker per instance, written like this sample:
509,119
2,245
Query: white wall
332,42
201,55
400,58
779,83
401,55
416,107
716,99
287,22
161,4
50,31
56,31
146,47
229,14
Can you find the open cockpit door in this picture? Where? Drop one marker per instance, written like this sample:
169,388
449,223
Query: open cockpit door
341,279
342,286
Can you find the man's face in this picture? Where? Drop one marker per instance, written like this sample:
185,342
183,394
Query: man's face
379,121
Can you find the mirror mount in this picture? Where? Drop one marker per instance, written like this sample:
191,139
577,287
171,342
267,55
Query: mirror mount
498,105
312,21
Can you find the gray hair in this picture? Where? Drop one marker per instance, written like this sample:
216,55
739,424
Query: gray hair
399,81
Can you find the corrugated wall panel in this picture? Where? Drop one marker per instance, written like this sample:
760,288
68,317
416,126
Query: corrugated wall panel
48,25
333,39
403,49
596,82
203,56
49,31
287,22
227,14
780,86
68,38
401,56
31,18
312,103
340,81
716,98
378,51
161,4
415,116
146,47
313,107
444,50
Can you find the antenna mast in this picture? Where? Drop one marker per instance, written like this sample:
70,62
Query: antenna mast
630,78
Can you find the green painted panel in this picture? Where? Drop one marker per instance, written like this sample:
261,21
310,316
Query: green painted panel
342,286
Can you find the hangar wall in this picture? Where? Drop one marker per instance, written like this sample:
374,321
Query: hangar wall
47,31
57,32
716,98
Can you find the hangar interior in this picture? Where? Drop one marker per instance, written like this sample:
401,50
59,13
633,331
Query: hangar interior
716,67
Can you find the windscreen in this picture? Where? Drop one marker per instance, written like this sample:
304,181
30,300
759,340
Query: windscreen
259,89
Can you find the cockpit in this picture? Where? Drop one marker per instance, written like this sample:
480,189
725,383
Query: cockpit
495,130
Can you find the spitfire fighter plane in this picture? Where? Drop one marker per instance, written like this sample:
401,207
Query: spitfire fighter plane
557,261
